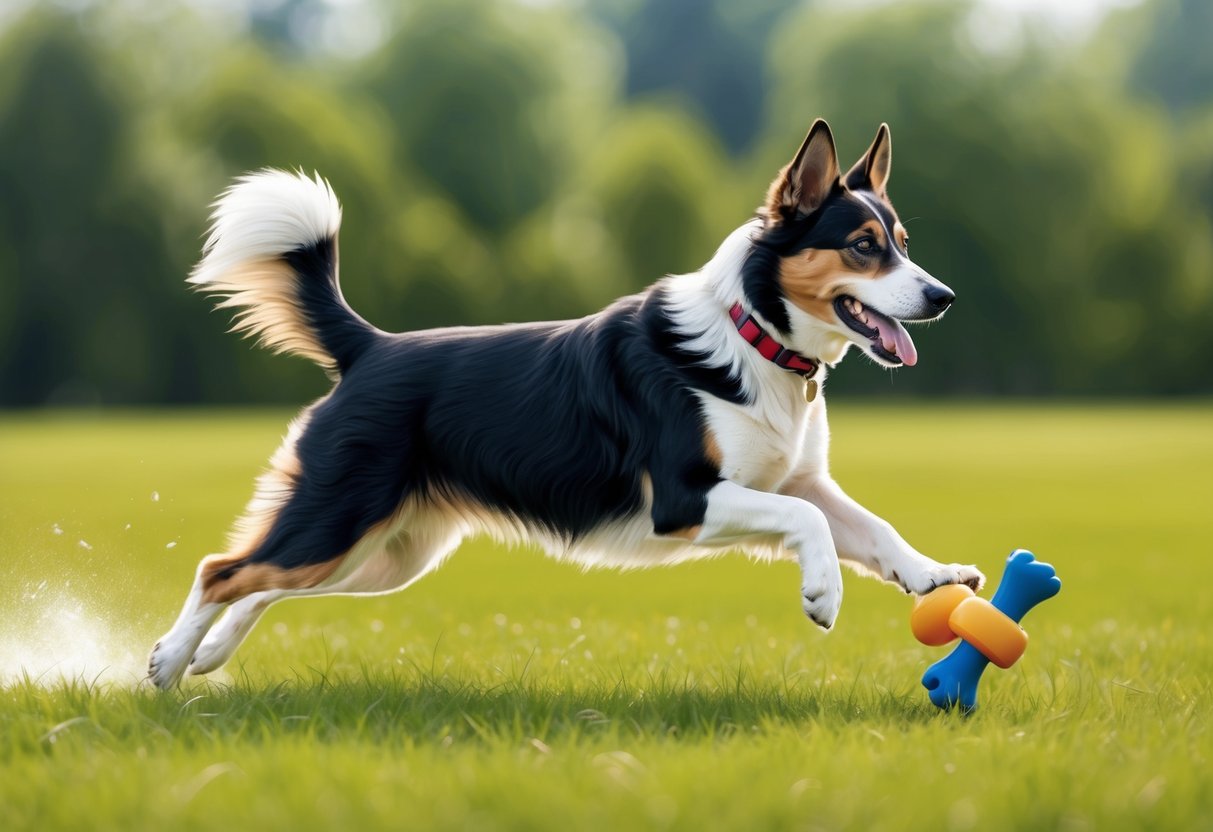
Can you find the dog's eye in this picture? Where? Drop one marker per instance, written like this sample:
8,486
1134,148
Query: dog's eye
905,243
865,245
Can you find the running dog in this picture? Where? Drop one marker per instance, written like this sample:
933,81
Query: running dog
674,424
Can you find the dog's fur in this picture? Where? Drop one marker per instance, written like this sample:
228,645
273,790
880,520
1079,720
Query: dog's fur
648,433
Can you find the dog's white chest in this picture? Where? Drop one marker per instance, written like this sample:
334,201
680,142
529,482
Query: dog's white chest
761,447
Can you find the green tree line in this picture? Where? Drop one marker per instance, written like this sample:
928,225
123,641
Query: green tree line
507,161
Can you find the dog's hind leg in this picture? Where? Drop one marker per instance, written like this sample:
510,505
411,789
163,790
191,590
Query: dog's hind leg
239,581
418,549
267,572
173,652
336,493
224,580
222,640
174,649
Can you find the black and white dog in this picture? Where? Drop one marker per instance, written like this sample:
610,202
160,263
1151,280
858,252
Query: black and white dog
674,424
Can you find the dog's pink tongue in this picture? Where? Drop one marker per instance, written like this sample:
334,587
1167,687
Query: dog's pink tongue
894,338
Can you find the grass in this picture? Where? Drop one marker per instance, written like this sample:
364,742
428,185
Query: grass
512,692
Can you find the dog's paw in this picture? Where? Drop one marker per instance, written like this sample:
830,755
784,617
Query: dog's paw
165,666
821,596
210,655
935,575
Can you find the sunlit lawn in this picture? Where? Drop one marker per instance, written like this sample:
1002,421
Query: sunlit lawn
511,692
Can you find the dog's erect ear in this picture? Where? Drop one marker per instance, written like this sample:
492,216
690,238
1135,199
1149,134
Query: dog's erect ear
810,177
871,172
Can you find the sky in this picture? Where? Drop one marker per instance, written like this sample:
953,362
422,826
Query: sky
1073,16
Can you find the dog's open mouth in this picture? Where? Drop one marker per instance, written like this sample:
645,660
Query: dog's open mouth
888,339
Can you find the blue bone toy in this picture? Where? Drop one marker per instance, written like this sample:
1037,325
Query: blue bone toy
1025,583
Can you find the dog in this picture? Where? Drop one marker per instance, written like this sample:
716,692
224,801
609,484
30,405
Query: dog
676,423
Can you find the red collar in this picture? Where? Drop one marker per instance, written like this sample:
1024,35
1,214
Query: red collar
768,347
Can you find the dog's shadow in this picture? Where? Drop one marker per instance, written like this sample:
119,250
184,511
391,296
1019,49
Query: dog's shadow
444,709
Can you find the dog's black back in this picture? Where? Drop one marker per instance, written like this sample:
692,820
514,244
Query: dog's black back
555,425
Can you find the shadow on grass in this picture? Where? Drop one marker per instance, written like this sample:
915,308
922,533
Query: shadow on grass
422,708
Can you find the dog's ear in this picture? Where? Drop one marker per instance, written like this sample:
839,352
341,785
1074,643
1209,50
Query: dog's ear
804,184
871,172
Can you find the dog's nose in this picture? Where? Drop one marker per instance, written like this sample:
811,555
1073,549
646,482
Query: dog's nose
939,296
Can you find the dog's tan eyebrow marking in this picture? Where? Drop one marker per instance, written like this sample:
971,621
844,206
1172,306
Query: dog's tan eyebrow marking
871,228
874,205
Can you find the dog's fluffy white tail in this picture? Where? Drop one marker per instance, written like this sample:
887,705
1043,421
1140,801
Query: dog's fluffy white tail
271,255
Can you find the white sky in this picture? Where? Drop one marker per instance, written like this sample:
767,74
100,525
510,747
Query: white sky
1074,16
1079,11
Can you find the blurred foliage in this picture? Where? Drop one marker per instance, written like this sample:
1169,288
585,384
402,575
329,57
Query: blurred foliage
1175,63
505,161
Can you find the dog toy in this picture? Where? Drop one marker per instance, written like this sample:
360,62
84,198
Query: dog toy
989,630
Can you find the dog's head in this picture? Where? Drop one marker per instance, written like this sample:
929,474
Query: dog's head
831,266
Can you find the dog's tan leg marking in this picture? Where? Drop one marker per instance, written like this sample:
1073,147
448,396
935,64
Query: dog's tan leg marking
424,542
711,448
689,533
258,577
212,592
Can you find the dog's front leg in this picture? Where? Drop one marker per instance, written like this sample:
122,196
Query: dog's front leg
736,514
872,543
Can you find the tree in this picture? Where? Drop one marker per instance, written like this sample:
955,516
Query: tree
1175,62
484,100
708,55
84,315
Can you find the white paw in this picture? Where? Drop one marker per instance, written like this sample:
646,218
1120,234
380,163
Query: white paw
821,595
211,655
934,575
167,663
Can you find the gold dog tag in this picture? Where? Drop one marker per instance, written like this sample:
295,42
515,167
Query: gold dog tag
810,390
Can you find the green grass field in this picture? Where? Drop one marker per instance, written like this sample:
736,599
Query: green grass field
512,692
